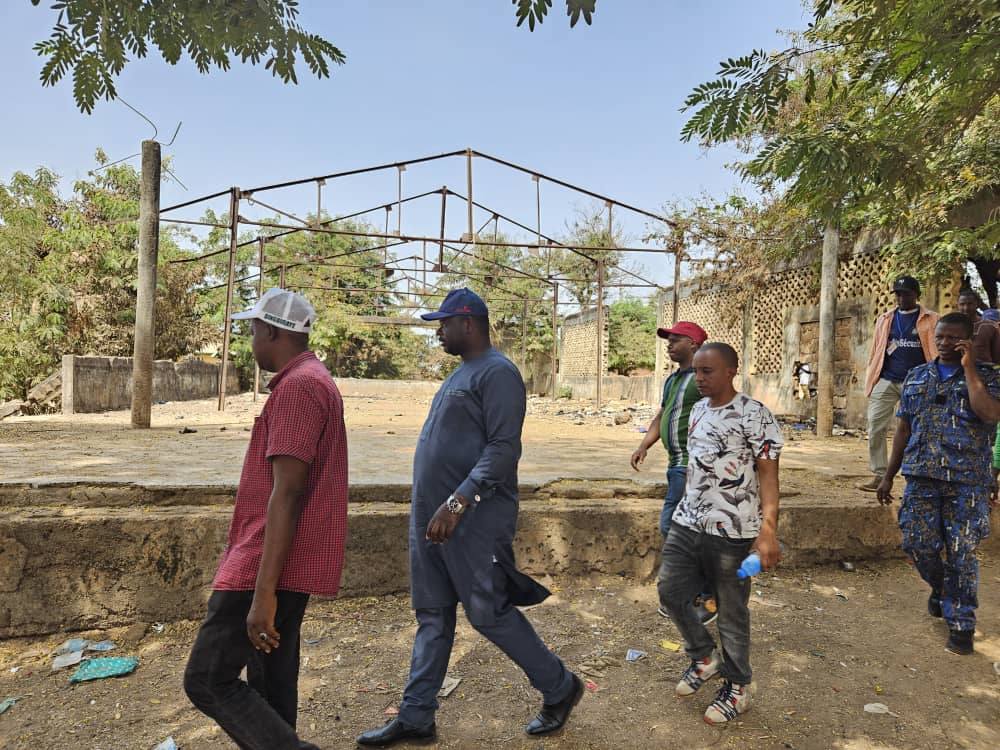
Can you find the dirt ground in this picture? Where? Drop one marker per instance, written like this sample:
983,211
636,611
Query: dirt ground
818,659
382,433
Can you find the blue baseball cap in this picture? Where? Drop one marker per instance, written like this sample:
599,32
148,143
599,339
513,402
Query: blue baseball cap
462,301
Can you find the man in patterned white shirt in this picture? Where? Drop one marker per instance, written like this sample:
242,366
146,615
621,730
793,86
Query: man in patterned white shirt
730,509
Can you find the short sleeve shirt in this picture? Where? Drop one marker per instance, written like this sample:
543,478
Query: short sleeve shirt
722,493
947,440
679,394
303,418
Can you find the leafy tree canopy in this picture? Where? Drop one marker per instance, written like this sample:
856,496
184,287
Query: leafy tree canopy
93,40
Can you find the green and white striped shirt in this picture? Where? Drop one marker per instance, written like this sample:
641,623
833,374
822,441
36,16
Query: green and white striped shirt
679,394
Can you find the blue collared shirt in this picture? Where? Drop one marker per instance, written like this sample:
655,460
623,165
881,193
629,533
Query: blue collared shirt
947,440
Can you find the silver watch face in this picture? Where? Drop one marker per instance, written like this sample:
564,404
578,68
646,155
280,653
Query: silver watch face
454,506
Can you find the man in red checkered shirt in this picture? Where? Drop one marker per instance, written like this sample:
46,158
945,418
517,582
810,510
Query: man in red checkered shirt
286,539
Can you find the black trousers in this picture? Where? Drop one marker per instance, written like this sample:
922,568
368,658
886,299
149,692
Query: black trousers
258,714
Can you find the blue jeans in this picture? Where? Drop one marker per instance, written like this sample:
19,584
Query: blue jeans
691,561
676,482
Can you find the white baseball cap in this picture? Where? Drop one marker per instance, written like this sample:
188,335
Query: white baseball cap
281,309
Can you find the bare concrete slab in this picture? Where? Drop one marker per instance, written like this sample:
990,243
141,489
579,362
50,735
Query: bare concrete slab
382,433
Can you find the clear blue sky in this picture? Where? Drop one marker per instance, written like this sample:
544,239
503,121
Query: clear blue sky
597,106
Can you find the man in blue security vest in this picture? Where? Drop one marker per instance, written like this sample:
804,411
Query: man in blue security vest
947,414
462,523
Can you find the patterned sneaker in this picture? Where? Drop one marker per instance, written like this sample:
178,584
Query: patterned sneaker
700,672
731,701
960,642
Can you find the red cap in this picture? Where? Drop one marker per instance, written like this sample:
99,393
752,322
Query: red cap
683,328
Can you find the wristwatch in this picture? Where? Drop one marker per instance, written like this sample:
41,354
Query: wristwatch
454,505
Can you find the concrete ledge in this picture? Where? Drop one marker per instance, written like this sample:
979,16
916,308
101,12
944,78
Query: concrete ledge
79,557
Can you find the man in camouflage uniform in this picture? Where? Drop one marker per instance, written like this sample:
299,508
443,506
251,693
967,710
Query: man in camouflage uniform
947,413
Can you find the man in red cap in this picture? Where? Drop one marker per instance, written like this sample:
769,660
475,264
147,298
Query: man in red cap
670,426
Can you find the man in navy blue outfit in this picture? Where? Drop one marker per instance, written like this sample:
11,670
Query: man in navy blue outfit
462,523
947,416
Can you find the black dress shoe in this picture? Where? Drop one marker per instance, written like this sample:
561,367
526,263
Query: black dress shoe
396,731
553,716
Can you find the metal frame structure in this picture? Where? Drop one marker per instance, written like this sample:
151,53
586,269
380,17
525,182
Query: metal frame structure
471,244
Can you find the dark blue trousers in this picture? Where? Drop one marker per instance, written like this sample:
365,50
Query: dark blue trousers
510,632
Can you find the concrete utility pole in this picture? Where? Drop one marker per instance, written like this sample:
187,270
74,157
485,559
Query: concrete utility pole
827,329
145,300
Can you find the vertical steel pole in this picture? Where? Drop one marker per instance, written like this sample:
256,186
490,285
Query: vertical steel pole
468,187
554,365
385,242
399,200
319,205
444,207
600,329
524,336
234,225
676,295
658,365
260,293
424,254
144,343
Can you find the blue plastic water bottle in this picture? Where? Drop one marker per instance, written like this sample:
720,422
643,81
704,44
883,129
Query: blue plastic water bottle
749,567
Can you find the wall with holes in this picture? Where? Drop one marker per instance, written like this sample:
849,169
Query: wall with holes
578,345
781,327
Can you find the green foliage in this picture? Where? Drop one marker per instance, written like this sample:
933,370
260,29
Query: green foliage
68,268
631,335
565,391
94,40
348,346
880,116
534,11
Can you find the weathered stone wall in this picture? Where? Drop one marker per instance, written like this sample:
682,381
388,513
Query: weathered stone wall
76,557
779,327
578,345
95,384
642,389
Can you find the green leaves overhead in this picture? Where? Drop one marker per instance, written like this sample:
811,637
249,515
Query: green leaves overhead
534,11
94,40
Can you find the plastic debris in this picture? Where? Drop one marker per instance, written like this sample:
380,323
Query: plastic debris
67,660
7,703
878,690
591,686
109,666
448,686
670,646
158,627
634,655
848,566
102,646
391,711
167,744
73,644
877,708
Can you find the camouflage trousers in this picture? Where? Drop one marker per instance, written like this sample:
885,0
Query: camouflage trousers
942,524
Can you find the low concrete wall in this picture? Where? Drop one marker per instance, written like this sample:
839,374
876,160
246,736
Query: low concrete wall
95,384
75,557
642,389
365,388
